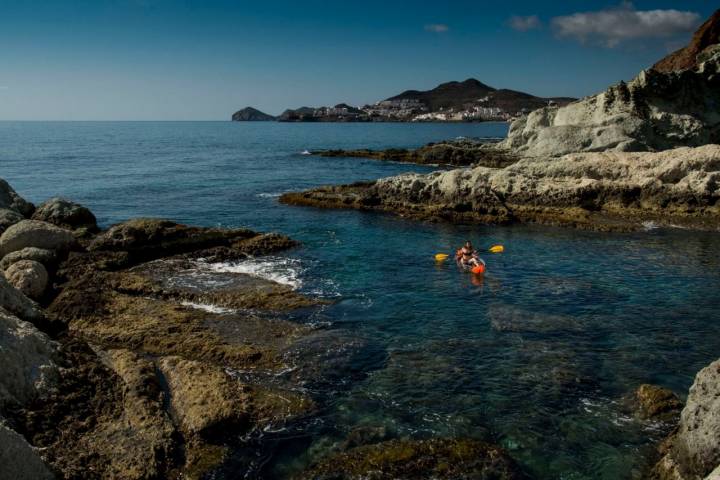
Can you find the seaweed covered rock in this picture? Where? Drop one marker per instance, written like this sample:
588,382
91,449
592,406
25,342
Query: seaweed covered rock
411,459
66,214
28,276
656,402
146,239
34,233
204,396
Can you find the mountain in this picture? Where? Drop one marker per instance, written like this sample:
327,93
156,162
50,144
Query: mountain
472,91
250,114
708,35
298,114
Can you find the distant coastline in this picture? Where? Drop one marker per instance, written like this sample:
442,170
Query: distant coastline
468,101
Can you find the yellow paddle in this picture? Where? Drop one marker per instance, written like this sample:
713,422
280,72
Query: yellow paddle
494,249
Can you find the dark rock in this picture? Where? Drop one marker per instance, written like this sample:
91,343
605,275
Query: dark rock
656,402
8,218
9,199
407,459
66,214
454,152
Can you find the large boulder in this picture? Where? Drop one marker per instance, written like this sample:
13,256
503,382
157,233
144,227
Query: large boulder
47,257
8,218
18,459
655,402
10,200
13,301
27,367
694,451
66,214
28,276
34,233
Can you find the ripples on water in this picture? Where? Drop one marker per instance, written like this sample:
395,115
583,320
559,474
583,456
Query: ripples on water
537,356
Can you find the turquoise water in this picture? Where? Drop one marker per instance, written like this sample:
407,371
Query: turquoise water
536,357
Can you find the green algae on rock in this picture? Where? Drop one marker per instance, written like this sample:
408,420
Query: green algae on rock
409,459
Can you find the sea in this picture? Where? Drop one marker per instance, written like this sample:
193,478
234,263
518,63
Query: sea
540,355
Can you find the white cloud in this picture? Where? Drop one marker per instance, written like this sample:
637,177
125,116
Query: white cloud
611,27
523,24
437,28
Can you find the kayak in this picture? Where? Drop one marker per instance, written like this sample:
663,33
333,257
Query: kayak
477,269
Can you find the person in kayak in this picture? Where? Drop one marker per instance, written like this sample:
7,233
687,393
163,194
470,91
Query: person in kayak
467,256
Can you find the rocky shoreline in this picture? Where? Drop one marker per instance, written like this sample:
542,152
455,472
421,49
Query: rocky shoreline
126,353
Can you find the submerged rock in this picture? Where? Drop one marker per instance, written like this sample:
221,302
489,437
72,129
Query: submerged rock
656,402
28,276
693,451
407,459
34,233
65,213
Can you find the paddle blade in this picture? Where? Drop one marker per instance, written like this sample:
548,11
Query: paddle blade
497,249
441,256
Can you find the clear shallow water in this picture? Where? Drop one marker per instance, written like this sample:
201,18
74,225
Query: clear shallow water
536,357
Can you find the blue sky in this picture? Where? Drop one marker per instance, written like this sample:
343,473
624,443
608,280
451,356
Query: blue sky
201,60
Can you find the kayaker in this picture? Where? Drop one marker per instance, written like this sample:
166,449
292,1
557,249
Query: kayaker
467,256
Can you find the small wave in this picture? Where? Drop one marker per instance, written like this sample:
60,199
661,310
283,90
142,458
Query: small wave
208,307
305,152
285,271
269,195
650,225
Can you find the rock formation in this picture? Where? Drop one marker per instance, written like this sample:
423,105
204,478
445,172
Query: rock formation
606,191
458,153
655,111
66,214
439,459
131,370
693,451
